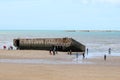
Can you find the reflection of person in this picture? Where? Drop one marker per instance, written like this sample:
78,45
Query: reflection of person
105,57
68,52
77,55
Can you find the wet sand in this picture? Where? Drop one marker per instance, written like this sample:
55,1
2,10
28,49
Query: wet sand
98,69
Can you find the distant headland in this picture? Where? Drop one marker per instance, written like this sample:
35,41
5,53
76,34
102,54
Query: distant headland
92,30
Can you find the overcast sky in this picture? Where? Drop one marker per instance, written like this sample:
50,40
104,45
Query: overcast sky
60,14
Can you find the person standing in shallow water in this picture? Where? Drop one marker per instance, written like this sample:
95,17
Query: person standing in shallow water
83,55
87,51
109,50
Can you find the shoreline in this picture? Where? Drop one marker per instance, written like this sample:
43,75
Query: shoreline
101,70
43,57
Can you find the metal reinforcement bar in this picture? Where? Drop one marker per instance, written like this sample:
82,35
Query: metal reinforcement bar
61,44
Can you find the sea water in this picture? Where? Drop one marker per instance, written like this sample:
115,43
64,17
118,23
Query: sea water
96,42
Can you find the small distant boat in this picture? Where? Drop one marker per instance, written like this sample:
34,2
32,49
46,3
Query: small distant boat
62,44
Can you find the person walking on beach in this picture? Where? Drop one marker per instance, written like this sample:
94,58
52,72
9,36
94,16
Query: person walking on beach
70,52
54,50
105,57
50,51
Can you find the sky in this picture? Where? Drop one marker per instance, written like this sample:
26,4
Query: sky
59,14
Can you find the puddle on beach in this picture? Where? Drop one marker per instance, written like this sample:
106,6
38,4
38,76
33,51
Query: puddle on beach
95,55
41,61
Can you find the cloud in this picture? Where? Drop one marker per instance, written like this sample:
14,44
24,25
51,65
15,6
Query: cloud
100,1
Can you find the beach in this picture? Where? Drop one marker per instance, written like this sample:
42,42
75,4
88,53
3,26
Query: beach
40,65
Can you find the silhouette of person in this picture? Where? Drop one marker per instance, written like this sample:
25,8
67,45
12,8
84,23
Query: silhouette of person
105,57
109,50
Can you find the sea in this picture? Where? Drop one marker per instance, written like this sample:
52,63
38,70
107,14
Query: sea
95,41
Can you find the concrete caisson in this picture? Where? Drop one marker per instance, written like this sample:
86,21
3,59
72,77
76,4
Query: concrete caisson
62,44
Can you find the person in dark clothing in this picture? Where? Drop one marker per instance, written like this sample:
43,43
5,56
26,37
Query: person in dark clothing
83,55
87,51
50,51
4,47
54,50
105,57
109,50
70,52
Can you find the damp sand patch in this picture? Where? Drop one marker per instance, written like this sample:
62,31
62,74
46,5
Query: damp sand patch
41,61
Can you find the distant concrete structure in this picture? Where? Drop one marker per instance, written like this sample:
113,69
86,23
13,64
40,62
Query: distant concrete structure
62,44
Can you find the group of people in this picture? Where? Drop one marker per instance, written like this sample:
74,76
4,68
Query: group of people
70,52
83,55
77,54
9,48
53,50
